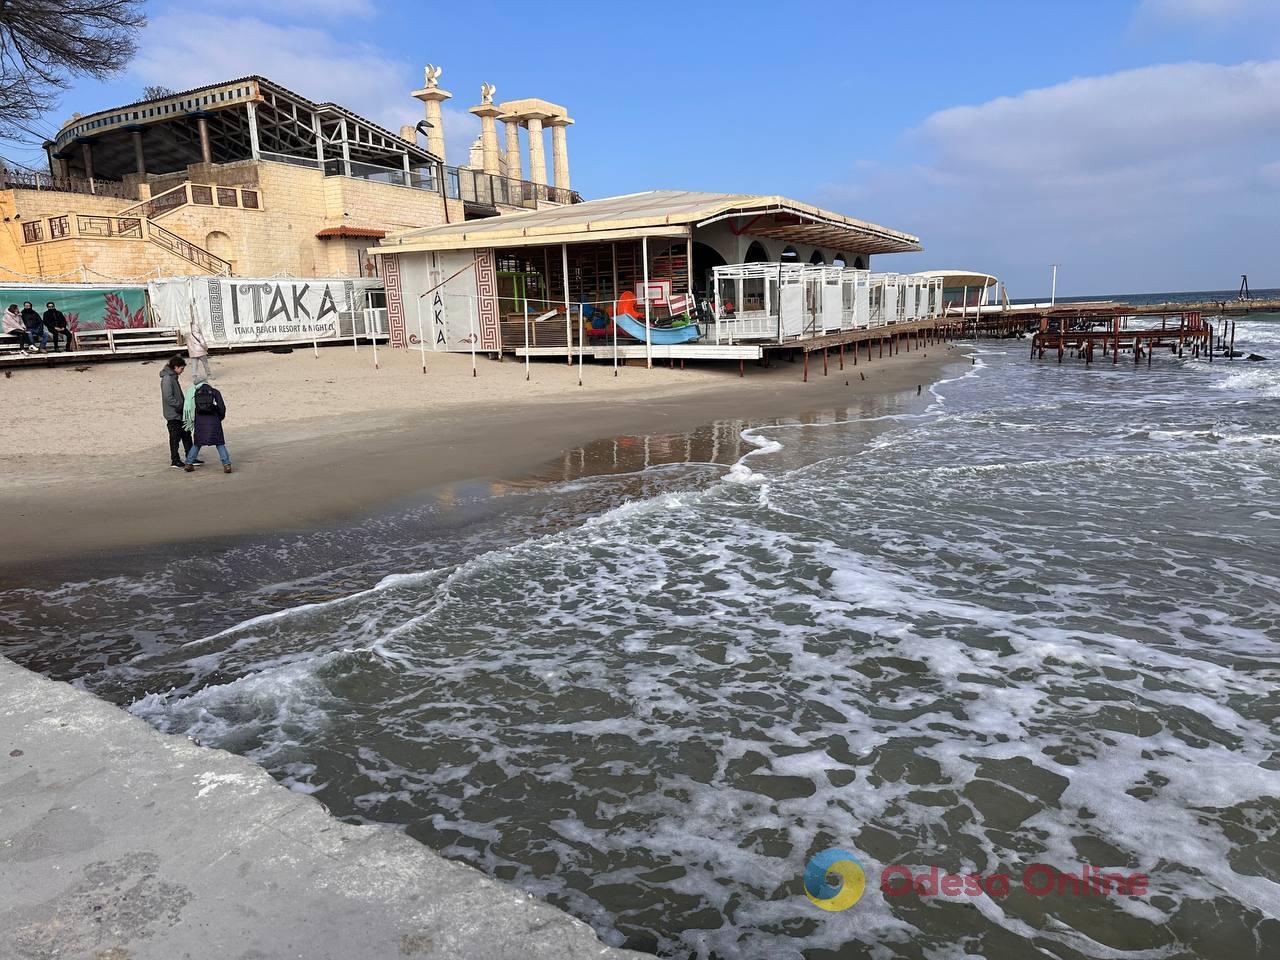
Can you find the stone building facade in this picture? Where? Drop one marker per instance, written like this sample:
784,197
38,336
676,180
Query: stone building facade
243,177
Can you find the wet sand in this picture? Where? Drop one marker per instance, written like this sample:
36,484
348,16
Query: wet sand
316,440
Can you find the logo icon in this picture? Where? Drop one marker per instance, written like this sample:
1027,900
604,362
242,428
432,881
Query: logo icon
834,879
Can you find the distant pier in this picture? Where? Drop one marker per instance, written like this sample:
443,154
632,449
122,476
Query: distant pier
1103,335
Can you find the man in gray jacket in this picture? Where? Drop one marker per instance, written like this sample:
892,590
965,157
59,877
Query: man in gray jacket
171,400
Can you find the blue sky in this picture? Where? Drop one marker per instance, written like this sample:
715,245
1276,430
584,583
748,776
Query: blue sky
1135,143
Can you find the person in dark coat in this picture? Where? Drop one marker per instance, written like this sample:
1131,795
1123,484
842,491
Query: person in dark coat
203,413
172,403
34,324
55,321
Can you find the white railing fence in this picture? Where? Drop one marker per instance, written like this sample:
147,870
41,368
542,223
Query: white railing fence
783,301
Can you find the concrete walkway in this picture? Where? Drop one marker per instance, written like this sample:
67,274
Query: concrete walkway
118,842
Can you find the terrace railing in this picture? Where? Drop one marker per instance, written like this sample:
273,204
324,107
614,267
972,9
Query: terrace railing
476,186
198,194
21,180
85,226
459,183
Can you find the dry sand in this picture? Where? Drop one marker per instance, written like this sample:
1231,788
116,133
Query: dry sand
84,463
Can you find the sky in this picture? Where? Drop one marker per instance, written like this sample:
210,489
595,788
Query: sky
1136,144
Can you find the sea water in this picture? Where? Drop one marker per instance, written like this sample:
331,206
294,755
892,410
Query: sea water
1031,617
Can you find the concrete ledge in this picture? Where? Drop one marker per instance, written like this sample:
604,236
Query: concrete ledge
117,841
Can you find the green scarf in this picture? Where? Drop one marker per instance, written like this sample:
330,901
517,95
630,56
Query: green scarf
189,406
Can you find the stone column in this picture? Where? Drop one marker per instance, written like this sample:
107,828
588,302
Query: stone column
206,152
139,159
515,168
431,98
488,114
560,150
86,151
537,156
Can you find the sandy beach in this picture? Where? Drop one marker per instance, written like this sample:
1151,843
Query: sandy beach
314,439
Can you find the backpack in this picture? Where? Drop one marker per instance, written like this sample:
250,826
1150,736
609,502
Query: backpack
206,402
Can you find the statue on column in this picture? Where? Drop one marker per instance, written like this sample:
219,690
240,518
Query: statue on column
487,90
433,72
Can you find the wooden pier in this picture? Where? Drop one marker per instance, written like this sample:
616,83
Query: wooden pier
1084,335
848,345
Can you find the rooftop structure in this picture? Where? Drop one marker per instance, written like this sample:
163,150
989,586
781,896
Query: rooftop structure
249,118
665,213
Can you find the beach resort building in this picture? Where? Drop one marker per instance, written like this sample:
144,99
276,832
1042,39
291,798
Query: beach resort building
248,178
547,282
270,218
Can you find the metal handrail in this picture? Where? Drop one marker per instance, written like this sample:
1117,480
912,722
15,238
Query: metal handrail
157,205
17,180
186,249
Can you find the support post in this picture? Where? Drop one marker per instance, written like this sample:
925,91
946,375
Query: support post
422,341
315,126
346,150
526,335
251,109
471,322
613,251
206,152
568,331
139,158
648,342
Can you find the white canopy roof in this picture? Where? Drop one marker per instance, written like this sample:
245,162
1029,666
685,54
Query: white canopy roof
961,278
659,213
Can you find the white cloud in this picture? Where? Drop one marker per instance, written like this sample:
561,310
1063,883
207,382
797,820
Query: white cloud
1201,10
1129,179
329,9
193,49
1094,130
307,10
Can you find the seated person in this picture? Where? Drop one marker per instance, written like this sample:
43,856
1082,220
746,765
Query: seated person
55,321
34,324
14,327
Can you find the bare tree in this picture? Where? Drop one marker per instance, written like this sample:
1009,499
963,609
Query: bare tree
156,92
43,43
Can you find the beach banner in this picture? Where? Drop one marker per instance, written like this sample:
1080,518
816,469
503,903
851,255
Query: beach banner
86,306
443,288
247,310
